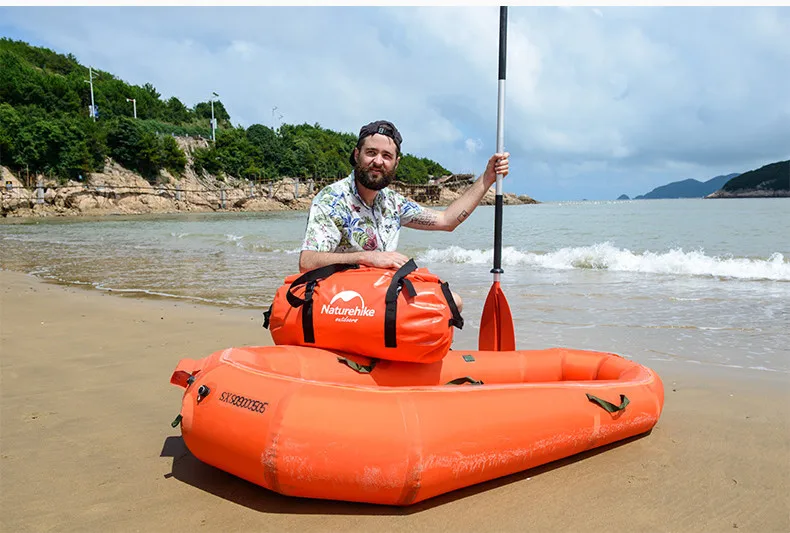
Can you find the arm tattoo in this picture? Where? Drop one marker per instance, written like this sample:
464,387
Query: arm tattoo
462,216
426,218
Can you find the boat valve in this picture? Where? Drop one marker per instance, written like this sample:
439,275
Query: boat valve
203,391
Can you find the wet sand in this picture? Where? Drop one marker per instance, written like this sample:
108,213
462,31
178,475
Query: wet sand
86,442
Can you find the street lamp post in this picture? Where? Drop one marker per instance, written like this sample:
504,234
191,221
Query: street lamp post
134,105
213,121
93,106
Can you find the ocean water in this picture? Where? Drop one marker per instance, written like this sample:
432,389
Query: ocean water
702,282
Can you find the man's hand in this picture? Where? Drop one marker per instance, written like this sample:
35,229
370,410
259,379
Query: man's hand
462,207
310,260
384,259
498,164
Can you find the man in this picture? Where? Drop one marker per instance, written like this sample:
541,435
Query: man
357,220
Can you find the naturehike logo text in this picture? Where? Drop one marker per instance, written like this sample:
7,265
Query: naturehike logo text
347,313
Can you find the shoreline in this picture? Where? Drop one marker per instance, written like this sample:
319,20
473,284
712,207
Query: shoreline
703,368
119,191
86,439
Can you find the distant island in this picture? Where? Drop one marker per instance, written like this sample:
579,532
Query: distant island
689,188
769,181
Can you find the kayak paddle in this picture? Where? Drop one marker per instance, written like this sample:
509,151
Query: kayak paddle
496,325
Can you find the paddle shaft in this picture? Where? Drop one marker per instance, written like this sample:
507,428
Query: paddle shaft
496,325
500,142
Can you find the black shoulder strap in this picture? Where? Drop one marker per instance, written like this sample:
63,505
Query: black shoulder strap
310,279
267,316
391,311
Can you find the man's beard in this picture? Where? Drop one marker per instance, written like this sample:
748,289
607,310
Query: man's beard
375,183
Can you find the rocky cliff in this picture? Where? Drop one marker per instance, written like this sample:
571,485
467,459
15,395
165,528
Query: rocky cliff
117,190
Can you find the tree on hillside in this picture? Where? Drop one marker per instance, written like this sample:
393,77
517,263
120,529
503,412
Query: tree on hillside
137,149
203,110
176,112
417,170
236,154
9,127
42,58
267,148
171,156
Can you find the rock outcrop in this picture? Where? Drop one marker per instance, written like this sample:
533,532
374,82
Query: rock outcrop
119,191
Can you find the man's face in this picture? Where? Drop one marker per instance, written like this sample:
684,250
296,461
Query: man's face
377,162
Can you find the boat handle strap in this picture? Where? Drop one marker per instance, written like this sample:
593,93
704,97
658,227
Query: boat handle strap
362,369
608,406
465,379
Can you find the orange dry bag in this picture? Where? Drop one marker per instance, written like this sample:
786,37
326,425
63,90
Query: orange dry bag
403,315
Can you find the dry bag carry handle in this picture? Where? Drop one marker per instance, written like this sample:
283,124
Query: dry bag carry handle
391,311
310,279
313,275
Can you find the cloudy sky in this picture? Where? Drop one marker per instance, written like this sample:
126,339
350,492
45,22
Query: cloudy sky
599,101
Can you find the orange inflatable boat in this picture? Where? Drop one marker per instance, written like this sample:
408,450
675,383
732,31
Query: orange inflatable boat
320,424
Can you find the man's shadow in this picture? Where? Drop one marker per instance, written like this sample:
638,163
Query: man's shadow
188,469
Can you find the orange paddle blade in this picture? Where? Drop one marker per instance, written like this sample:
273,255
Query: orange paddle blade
496,326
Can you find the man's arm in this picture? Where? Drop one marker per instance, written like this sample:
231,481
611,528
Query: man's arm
462,207
310,260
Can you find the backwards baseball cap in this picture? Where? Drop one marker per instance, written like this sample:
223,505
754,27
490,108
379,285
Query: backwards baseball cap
382,127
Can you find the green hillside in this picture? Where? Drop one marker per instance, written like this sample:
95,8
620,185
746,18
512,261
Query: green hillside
46,127
772,177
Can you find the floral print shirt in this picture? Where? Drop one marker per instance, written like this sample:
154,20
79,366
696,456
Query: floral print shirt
340,221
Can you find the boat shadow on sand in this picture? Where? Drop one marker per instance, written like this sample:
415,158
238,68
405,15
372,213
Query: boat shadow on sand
190,470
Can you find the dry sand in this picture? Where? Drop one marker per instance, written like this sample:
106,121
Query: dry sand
86,442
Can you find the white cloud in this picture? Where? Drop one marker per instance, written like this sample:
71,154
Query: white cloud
473,145
599,101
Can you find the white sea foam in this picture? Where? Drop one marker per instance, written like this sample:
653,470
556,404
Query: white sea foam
289,252
604,256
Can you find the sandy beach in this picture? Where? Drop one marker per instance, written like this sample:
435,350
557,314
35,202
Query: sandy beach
86,442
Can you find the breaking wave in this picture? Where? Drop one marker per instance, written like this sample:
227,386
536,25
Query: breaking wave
604,256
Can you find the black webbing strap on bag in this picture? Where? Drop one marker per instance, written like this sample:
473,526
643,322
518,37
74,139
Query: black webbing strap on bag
391,311
457,320
310,279
307,312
